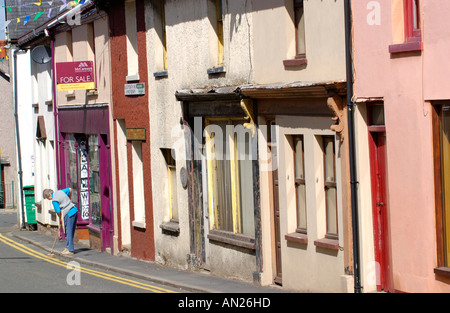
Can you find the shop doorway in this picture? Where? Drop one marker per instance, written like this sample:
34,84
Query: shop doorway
86,169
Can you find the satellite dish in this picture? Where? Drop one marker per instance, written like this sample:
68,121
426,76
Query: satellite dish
41,54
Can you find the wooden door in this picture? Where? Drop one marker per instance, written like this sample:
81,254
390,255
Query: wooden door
380,209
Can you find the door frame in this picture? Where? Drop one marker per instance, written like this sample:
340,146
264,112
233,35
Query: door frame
274,204
378,165
92,120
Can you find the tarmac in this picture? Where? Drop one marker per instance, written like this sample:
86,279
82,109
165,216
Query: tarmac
188,281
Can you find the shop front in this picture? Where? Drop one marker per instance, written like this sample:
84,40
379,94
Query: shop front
84,159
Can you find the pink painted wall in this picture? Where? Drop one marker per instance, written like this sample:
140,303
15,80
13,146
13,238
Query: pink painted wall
405,82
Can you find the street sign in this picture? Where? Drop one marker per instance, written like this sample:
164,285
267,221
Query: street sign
75,75
135,89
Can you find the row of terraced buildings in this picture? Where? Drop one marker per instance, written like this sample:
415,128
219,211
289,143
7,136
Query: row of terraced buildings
301,143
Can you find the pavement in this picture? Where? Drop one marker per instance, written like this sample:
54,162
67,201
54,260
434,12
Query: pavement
185,280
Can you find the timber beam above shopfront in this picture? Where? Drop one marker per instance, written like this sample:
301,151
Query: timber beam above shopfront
296,98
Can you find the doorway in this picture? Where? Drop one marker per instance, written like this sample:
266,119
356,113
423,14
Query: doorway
86,170
276,241
380,212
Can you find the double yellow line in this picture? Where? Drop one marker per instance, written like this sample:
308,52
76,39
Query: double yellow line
71,266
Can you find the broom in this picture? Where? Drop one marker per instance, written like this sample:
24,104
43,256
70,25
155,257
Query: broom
51,254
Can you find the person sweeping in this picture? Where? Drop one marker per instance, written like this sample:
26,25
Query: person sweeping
67,213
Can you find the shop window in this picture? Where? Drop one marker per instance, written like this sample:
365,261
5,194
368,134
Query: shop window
94,181
83,175
230,176
70,149
441,134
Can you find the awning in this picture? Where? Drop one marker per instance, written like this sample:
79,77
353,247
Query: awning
280,90
294,90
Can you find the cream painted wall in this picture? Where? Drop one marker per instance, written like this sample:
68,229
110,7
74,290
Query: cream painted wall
308,268
44,153
191,46
274,42
254,52
78,45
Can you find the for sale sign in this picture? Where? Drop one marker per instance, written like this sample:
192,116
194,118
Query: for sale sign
75,75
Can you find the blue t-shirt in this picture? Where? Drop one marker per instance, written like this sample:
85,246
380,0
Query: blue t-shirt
71,212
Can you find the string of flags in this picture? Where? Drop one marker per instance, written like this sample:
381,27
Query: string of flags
52,5
38,3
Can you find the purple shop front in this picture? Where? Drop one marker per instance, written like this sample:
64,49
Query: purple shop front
85,166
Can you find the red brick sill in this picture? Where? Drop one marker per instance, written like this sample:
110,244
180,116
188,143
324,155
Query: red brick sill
295,62
332,244
297,238
416,46
444,271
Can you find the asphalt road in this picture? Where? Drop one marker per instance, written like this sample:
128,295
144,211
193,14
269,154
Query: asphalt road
24,268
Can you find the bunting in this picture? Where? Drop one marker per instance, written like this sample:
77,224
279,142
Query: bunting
54,4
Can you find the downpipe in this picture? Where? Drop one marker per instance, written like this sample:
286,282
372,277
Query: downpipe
351,140
19,152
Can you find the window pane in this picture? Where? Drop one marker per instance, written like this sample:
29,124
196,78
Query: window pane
300,27
246,189
376,113
300,182
329,159
416,14
331,211
83,161
330,184
94,180
299,167
232,177
301,206
173,192
71,166
222,180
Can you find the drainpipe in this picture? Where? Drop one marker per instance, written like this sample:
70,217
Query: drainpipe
55,115
351,140
19,153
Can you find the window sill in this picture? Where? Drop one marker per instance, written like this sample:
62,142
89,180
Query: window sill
295,62
443,271
133,78
297,238
162,74
92,92
416,46
332,244
171,228
216,70
93,227
232,239
138,224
